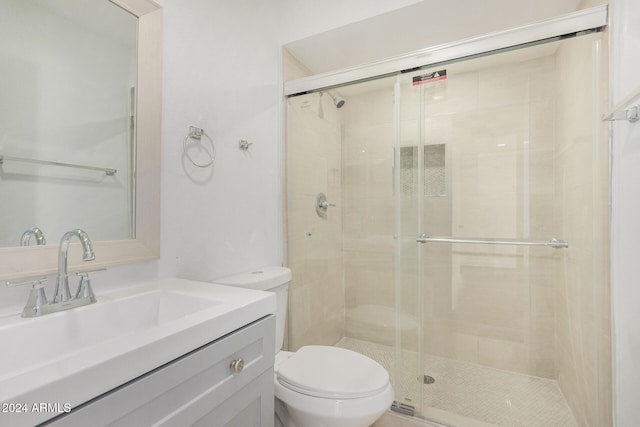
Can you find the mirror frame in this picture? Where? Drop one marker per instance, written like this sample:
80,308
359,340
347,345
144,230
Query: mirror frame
29,261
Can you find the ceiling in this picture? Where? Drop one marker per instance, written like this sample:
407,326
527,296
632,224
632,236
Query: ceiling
424,24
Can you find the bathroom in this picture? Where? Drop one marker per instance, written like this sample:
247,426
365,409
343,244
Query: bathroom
222,72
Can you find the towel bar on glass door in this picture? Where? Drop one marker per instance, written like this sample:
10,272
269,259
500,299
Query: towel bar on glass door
108,171
554,243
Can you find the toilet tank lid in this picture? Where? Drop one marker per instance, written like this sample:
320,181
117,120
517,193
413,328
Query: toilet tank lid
262,279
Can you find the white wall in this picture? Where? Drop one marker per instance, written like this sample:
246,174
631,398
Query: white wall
303,18
222,72
625,249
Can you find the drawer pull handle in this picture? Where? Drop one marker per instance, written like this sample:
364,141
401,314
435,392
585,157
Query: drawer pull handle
237,365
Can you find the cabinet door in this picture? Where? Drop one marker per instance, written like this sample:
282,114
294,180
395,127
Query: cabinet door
253,406
199,388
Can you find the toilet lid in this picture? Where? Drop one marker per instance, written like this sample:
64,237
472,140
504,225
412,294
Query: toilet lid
332,372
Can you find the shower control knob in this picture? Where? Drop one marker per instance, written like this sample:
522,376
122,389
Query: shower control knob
322,204
237,365
325,204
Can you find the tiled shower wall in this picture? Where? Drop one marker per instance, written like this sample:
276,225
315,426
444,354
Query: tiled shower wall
487,304
314,249
583,325
368,217
522,163
495,304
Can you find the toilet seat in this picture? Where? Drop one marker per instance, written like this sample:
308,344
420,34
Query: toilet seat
332,373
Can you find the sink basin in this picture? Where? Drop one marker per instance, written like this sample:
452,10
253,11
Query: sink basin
61,334
72,356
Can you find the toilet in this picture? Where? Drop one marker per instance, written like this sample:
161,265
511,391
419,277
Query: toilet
318,386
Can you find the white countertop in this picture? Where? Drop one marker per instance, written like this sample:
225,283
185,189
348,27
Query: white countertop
65,359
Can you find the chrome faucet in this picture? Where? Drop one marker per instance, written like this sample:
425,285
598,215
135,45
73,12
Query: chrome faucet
62,300
35,232
62,293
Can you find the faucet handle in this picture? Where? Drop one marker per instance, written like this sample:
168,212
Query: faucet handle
37,299
25,281
84,287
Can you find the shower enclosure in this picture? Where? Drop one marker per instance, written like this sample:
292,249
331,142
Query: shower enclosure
466,251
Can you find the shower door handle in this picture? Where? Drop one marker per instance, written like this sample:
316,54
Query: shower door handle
553,242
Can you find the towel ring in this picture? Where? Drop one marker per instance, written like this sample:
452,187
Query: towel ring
197,134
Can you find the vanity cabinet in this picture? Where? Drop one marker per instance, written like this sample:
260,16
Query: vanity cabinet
201,388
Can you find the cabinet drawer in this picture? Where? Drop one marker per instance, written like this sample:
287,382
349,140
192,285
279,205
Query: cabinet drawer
188,389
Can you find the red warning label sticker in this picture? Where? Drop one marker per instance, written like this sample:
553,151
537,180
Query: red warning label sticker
430,77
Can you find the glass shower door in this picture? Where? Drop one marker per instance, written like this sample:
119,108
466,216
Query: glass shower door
379,249
407,188
488,152
422,199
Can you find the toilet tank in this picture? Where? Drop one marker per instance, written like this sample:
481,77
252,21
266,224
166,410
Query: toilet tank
270,279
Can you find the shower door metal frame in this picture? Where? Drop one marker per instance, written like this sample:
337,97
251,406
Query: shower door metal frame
538,32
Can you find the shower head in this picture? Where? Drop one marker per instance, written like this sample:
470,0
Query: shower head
337,100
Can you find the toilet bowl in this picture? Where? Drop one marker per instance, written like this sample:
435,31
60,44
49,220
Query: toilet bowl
325,386
318,386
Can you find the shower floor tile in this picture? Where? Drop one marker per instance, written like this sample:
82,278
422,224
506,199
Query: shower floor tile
476,392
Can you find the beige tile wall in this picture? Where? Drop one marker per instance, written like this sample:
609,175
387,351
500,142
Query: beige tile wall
368,217
491,305
581,170
500,298
314,244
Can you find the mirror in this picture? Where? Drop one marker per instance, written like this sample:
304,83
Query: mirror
68,80
79,129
